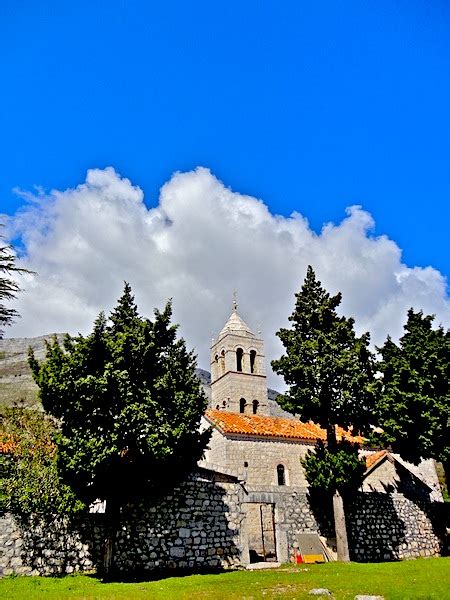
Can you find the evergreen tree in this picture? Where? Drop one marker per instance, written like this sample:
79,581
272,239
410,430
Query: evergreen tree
129,405
414,406
8,286
330,374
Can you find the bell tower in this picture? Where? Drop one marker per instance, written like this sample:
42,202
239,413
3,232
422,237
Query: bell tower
238,374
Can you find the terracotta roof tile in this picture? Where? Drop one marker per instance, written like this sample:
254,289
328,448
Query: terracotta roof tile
265,426
371,459
7,447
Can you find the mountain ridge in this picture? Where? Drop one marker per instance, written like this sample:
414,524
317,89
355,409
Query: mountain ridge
18,388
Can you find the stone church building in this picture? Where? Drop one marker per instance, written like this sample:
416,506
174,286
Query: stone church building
261,446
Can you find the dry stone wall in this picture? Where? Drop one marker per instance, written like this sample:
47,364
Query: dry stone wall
196,526
49,546
380,527
202,524
392,527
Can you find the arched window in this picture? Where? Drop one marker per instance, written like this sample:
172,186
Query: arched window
215,368
242,404
281,477
239,354
255,405
252,360
222,362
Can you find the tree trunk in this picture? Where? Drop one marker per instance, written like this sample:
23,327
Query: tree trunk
340,528
112,517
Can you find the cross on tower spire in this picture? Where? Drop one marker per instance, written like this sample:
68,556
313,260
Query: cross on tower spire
235,304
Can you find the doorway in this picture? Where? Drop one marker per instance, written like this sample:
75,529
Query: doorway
260,525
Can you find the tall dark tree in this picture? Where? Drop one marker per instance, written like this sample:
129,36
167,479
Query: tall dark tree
129,404
8,286
330,374
414,406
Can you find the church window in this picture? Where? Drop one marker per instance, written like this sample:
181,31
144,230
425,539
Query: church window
255,405
245,464
242,404
252,360
281,476
239,354
222,362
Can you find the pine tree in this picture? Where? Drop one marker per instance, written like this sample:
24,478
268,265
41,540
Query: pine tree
8,286
414,406
330,374
129,405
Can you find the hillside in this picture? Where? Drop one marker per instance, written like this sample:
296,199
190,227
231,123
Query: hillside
17,385
16,382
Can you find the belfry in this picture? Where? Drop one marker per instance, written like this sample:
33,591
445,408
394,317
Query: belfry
238,374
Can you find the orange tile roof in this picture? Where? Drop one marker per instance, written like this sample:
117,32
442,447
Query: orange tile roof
265,426
7,446
372,459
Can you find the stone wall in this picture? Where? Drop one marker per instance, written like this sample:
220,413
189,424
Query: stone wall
49,547
196,526
392,527
380,526
202,524
262,458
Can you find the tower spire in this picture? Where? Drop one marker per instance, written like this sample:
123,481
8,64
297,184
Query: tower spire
235,304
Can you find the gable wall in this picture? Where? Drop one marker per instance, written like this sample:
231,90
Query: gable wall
262,456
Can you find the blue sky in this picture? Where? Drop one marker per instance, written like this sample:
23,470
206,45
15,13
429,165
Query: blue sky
311,106
305,107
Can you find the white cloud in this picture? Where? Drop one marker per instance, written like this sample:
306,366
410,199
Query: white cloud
201,242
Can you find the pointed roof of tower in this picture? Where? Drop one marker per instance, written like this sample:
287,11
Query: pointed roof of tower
236,324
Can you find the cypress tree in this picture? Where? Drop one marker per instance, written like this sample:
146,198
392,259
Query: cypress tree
330,374
414,404
129,406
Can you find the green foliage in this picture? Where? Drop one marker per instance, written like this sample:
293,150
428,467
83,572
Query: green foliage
8,286
330,373
128,402
329,370
340,469
414,405
28,472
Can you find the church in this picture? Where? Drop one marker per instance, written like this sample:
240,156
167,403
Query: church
260,445
247,501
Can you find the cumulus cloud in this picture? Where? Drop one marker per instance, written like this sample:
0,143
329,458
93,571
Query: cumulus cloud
201,242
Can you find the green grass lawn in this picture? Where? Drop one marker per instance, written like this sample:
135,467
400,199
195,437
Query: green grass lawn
422,578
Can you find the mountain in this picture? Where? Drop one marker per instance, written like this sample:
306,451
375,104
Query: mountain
17,385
